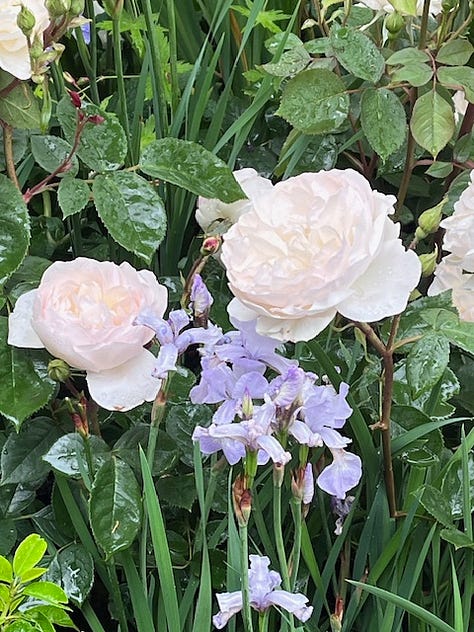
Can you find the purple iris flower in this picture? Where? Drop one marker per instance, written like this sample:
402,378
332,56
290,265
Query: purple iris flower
173,340
341,475
219,383
235,439
264,593
86,32
201,298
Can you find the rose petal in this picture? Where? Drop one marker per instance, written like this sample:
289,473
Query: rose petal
370,300
20,325
127,385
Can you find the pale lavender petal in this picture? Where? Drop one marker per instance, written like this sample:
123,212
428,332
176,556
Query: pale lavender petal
161,327
229,604
325,407
226,412
241,366
198,335
343,474
261,580
207,445
333,439
236,432
233,451
178,320
166,360
304,435
253,384
308,484
294,603
201,298
274,449
215,386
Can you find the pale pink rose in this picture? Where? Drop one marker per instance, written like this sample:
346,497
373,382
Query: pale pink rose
14,52
317,244
456,270
387,7
209,210
83,313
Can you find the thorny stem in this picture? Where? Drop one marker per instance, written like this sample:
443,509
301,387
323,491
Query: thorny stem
386,352
41,186
8,150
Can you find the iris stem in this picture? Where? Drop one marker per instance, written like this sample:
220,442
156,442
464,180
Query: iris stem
280,545
244,571
296,511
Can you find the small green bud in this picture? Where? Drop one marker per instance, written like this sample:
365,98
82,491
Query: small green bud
113,7
36,49
394,24
26,21
77,7
428,262
58,370
58,8
429,220
448,5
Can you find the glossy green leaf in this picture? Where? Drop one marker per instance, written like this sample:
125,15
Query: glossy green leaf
440,169
19,107
51,151
166,453
103,146
72,568
427,362
436,504
416,74
177,491
6,570
19,142
425,451
20,626
432,122
68,453
383,120
55,614
291,62
73,195
131,210
407,56
357,53
405,6
452,487
24,383
115,506
315,102
29,552
459,333
459,539
8,535
457,52
458,77
14,228
192,167
46,591
180,423
33,573
21,457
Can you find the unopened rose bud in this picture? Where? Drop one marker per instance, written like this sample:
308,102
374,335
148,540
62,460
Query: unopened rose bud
58,370
75,99
26,21
394,24
428,262
36,49
211,245
58,8
95,119
429,220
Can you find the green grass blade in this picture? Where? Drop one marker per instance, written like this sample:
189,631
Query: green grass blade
202,615
141,609
160,548
413,608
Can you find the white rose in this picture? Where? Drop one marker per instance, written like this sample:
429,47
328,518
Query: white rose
211,210
14,52
387,7
314,245
83,312
455,272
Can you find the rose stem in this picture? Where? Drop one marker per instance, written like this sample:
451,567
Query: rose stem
8,150
386,352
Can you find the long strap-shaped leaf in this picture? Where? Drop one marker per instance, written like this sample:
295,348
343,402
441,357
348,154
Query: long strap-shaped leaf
160,548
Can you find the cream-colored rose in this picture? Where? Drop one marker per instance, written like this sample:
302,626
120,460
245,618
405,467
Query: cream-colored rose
456,270
209,211
83,313
387,7
14,52
317,244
